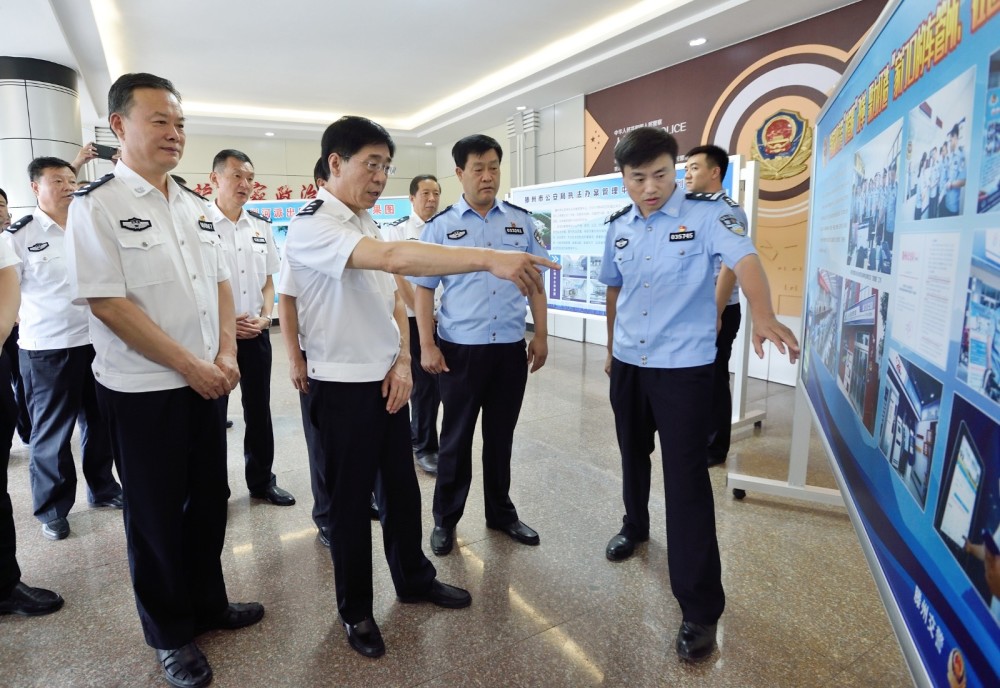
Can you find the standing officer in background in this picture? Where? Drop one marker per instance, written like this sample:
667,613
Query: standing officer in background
55,359
659,261
248,245
705,169
359,373
425,195
480,354
23,425
149,263
15,596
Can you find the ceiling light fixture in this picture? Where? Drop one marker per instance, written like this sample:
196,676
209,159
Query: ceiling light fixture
428,143
521,107
268,133
696,42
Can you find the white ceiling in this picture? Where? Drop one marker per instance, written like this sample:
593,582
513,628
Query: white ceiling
427,69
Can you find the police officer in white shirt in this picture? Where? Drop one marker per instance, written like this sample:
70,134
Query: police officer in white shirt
425,195
148,261
359,368
55,358
15,596
248,245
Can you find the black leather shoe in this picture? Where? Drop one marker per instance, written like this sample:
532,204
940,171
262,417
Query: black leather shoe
365,637
236,615
443,595
442,540
373,508
324,536
56,529
695,641
275,495
185,667
621,547
519,532
429,463
229,424
28,601
115,502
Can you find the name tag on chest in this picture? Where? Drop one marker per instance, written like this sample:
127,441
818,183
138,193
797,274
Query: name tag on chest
682,236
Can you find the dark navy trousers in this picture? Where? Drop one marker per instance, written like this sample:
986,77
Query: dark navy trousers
170,448
10,574
424,401
490,378
721,430
674,402
254,359
59,385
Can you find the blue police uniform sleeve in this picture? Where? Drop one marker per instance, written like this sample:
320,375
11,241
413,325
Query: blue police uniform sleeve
610,275
431,234
534,245
725,237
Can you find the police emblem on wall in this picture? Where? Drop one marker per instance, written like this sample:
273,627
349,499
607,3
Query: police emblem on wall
783,145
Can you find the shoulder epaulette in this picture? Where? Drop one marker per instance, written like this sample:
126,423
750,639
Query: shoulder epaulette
192,191
398,222
311,207
254,213
94,184
20,223
729,201
517,207
611,218
705,196
439,214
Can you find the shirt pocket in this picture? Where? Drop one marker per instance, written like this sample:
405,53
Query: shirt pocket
211,247
46,266
684,263
514,242
259,253
145,260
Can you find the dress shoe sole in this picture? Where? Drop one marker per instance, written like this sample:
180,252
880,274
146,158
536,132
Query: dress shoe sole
444,602
53,535
271,500
695,658
38,611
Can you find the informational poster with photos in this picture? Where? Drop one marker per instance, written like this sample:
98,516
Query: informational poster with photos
901,357
571,218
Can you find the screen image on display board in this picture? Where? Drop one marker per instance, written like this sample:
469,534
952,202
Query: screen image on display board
901,346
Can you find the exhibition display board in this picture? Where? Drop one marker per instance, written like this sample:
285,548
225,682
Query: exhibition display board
570,218
901,357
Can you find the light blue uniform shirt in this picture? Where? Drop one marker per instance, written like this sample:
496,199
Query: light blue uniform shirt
734,298
665,267
478,308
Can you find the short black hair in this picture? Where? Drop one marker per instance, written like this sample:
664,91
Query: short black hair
120,95
415,182
351,133
477,144
644,145
37,167
4,194
321,170
716,156
222,157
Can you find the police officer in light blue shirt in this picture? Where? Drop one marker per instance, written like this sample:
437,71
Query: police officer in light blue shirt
659,264
480,354
955,167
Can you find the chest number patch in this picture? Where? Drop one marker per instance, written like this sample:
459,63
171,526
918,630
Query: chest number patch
682,236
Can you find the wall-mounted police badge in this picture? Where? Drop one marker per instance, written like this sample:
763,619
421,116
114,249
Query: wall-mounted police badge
40,246
135,224
457,234
514,229
733,224
621,243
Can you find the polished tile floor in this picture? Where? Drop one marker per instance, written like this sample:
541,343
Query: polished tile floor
802,607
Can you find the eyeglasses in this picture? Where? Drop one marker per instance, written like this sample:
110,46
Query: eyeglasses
374,167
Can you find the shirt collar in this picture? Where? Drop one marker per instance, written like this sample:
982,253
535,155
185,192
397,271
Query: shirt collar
139,186
44,220
672,207
463,207
215,214
339,210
